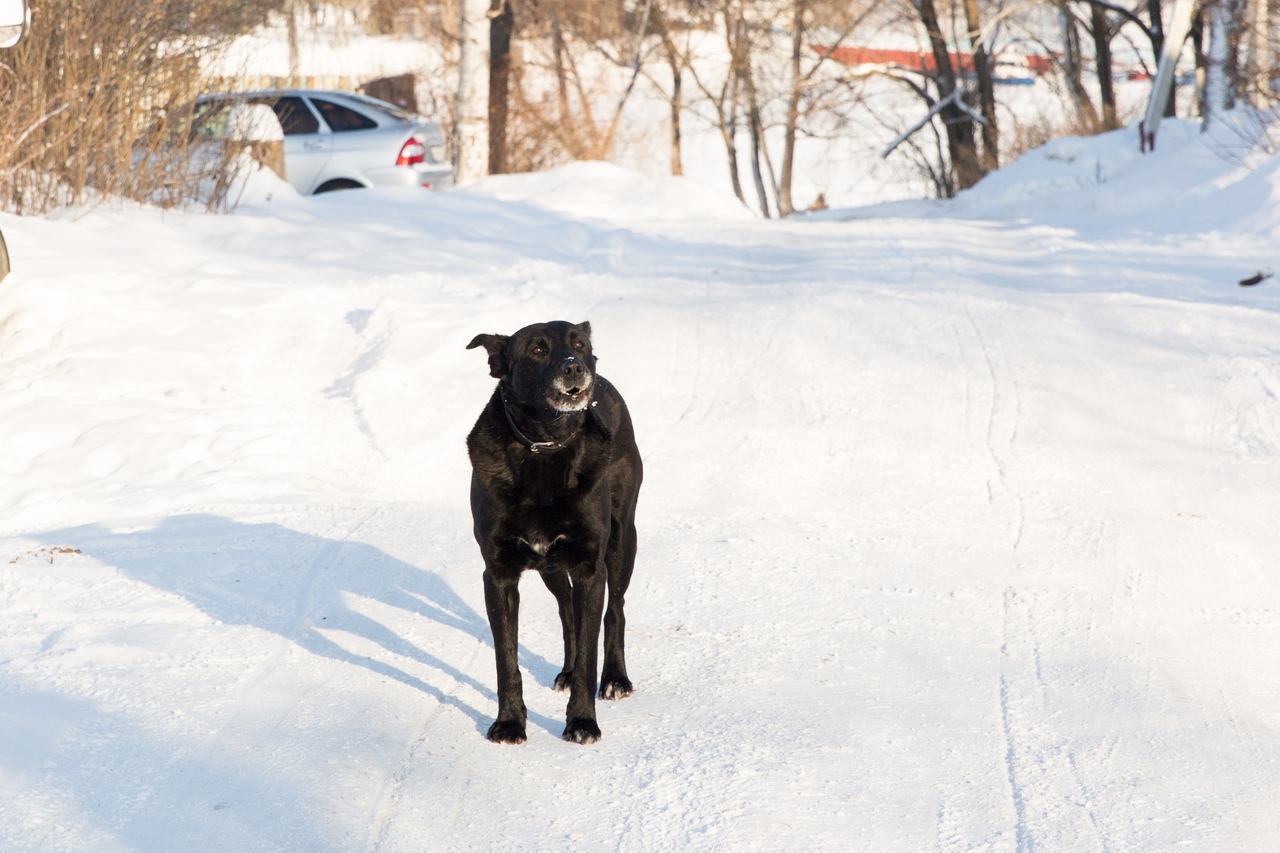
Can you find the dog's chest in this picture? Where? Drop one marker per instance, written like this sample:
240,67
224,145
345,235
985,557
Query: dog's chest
546,479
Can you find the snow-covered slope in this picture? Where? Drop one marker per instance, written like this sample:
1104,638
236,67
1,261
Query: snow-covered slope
959,530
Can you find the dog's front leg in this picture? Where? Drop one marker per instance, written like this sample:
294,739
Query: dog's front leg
588,605
502,601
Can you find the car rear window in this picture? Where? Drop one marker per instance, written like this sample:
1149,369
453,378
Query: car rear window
294,116
397,113
341,119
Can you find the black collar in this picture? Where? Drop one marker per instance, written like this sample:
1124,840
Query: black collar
531,445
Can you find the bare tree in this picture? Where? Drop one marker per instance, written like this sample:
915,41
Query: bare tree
677,59
802,79
725,97
958,121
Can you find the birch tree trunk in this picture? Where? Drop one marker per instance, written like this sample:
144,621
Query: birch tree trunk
1261,49
472,135
785,206
1218,95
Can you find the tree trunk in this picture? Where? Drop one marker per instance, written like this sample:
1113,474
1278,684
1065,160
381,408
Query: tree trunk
1086,113
1260,42
472,135
785,207
756,129
677,104
729,130
675,61
1219,94
961,144
501,24
291,17
986,88
1102,52
1154,13
562,77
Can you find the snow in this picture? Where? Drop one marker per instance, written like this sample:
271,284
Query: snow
958,531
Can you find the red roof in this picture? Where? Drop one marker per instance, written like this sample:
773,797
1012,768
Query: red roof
912,59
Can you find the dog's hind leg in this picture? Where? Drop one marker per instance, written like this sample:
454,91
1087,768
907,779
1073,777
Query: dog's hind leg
558,583
621,560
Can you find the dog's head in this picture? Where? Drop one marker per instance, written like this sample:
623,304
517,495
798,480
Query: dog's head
546,364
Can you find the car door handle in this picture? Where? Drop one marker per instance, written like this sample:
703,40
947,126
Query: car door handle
314,144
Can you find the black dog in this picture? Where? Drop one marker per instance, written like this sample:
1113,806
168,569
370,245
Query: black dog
555,476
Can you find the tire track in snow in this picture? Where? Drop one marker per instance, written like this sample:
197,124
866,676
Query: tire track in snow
1045,787
998,491
1001,429
1053,806
1042,778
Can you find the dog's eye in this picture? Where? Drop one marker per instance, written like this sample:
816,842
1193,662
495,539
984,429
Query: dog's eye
538,349
579,346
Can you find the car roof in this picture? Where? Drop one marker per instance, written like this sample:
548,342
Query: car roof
391,110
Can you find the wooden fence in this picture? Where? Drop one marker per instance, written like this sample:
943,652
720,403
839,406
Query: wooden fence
268,83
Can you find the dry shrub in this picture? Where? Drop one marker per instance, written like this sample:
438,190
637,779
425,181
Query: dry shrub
570,82
97,100
550,126
1029,133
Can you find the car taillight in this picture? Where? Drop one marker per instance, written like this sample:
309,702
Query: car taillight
412,152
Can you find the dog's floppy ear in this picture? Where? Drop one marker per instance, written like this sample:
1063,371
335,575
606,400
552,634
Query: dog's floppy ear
584,327
496,346
605,410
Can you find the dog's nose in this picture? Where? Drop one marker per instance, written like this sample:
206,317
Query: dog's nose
572,369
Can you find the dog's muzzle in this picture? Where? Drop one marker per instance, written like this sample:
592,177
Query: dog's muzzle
572,387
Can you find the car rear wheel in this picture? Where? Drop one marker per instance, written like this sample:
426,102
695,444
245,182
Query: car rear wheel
338,184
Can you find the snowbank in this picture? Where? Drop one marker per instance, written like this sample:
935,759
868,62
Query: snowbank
598,190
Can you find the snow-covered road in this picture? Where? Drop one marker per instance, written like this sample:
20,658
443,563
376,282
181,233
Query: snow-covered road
958,531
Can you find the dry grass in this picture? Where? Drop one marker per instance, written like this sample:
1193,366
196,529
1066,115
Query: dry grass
95,102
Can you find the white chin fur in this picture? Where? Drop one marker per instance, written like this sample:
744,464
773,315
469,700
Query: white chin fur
570,404
562,402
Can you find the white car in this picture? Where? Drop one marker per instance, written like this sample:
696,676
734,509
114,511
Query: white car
340,140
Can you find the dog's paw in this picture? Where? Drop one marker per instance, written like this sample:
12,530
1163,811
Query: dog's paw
581,730
507,731
563,681
615,688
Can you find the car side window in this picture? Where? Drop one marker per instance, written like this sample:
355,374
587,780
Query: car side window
341,119
294,116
